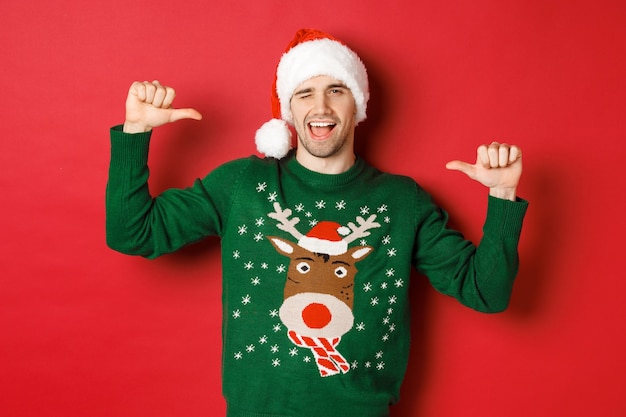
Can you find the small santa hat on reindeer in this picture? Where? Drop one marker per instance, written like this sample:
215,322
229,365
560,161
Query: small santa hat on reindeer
326,237
310,53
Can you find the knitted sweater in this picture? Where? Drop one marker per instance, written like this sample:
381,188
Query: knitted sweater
315,271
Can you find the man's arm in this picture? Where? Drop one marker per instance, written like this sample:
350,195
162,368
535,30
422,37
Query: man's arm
136,222
498,166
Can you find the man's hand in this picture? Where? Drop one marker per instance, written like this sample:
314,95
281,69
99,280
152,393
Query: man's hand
498,167
149,105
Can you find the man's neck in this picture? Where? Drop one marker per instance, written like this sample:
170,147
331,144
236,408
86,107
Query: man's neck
336,164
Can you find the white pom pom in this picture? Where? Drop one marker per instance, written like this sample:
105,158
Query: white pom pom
273,139
343,231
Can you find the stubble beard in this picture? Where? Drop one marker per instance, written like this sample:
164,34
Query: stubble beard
325,149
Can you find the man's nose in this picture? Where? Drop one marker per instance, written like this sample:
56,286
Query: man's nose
321,104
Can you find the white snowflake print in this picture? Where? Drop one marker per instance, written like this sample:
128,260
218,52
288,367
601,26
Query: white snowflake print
243,229
281,268
360,327
385,337
238,355
320,204
261,187
386,240
274,349
390,272
363,242
236,314
341,205
383,286
399,283
368,364
354,365
387,219
364,210
259,222
293,351
236,254
246,300
263,340
249,265
308,214
386,320
380,366
250,348
382,208
392,327
393,299
264,265
312,223
367,287
272,196
258,237
273,313
277,328
276,363
374,301
299,207
392,252
390,311
255,281
306,359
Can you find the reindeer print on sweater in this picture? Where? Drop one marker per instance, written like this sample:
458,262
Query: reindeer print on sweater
320,284
319,290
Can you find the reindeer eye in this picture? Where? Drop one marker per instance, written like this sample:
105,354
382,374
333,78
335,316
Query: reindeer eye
303,267
341,272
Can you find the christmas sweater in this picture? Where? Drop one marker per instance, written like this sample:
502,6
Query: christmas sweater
316,271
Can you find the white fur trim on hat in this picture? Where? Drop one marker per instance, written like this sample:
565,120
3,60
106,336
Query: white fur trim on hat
321,57
273,138
328,247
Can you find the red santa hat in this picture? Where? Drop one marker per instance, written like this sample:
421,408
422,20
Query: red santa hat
309,54
326,237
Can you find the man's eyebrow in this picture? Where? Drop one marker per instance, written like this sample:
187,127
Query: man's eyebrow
303,91
308,90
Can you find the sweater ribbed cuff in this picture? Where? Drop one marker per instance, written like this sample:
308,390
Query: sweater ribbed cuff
129,149
505,217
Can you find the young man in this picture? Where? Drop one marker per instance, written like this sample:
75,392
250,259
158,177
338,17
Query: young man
317,245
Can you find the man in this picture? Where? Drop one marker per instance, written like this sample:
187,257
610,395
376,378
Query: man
317,245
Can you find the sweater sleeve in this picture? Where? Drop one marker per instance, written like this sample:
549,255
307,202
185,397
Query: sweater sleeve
480,277
138,223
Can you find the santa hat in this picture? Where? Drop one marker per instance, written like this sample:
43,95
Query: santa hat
326,237
310,53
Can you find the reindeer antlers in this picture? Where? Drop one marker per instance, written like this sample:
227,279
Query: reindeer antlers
285,224
289,226
362,229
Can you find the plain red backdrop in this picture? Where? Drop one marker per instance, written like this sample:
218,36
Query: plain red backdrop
86,331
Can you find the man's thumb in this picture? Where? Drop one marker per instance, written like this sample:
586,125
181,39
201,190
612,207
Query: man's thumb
460,166
179,114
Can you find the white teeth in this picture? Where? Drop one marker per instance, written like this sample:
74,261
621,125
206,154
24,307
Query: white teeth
321,124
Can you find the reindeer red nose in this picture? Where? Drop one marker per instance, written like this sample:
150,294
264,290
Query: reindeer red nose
316,315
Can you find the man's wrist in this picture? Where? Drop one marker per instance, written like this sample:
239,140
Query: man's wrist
503,193
130,127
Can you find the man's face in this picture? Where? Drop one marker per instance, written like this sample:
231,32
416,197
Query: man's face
323,110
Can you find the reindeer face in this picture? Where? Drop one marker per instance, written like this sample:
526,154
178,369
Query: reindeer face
319,289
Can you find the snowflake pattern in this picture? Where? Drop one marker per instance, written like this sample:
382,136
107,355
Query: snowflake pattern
383,289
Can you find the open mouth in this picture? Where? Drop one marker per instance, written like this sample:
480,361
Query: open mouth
321,130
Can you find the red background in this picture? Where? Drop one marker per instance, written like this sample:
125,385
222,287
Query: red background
86,331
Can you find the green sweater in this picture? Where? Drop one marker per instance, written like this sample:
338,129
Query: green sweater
316,271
